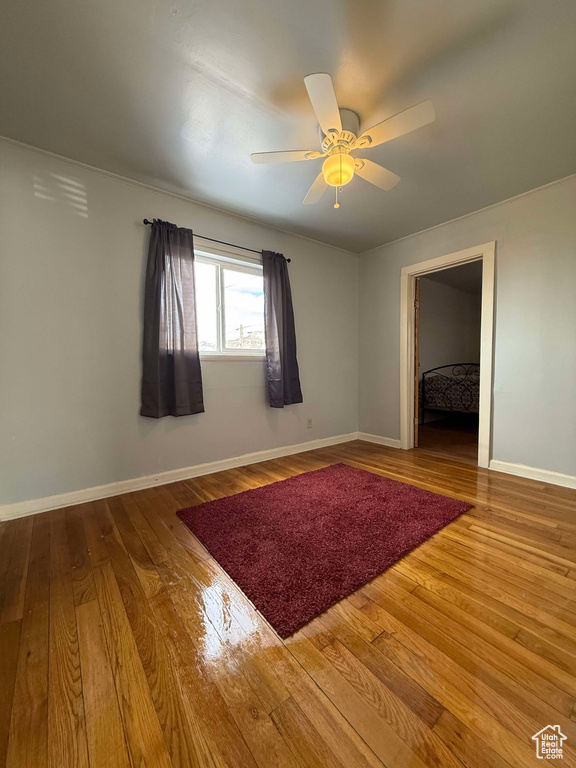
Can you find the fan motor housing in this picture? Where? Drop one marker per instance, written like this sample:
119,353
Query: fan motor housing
350,124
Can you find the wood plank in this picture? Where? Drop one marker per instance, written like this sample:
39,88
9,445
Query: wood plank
500,552
104,729
9,643
178,722
142,562
356,619
557,591
518,608
511,583
484,664
15,582
515,726
143,733
557,554
546,650
486,726
263,739
391,708
493,595
29,723
82,578
146,532
452,592
512,653
465,744
219,738
97,551
8,534
368,721
403,686
308,747
323,715
67,746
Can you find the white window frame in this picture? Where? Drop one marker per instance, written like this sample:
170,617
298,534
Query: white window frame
227,258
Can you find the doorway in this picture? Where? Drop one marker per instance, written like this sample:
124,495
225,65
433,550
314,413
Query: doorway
447,361
466,379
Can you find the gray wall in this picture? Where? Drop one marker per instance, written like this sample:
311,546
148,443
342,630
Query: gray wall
72,255
535,332
449,325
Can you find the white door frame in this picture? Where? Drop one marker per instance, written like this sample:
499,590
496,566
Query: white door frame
485,253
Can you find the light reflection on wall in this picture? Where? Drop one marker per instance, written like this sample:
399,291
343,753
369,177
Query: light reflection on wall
63,190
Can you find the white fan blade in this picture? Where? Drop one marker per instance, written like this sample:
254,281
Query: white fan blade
289,156
403,122
316,190
321,92
375,174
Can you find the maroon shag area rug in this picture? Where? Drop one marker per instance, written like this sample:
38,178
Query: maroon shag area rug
297,546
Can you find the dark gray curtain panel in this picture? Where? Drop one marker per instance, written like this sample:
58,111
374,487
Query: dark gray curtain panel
171,375
281,364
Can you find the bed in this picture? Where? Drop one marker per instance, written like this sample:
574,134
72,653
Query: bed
450,388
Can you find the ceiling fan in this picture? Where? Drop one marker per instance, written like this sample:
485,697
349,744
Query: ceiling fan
341,131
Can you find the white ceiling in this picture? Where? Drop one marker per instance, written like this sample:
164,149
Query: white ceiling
466,277
179,93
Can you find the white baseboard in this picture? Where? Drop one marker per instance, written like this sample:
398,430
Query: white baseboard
533,473
33,506
391,442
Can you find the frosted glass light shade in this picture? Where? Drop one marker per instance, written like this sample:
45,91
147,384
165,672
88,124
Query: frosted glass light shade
338,170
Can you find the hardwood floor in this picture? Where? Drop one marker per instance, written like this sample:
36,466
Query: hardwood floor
453,438
123,643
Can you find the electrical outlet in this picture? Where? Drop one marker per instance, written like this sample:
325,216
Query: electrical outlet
309,424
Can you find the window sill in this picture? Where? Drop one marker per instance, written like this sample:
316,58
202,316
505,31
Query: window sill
232,358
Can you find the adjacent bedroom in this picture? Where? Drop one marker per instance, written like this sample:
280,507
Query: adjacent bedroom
287,369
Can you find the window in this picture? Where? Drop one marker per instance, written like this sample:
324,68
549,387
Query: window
229,307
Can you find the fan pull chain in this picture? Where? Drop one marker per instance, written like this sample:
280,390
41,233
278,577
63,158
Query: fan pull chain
336,204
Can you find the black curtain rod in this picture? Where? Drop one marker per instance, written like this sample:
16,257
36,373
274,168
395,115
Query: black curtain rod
222,242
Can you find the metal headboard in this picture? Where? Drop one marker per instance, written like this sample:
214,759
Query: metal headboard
460,373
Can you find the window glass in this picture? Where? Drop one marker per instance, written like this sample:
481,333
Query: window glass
206,306
229,307
243,310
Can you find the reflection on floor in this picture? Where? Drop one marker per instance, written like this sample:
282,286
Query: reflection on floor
454,436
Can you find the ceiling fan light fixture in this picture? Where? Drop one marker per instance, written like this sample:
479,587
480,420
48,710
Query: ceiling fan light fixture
338,169
340,129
